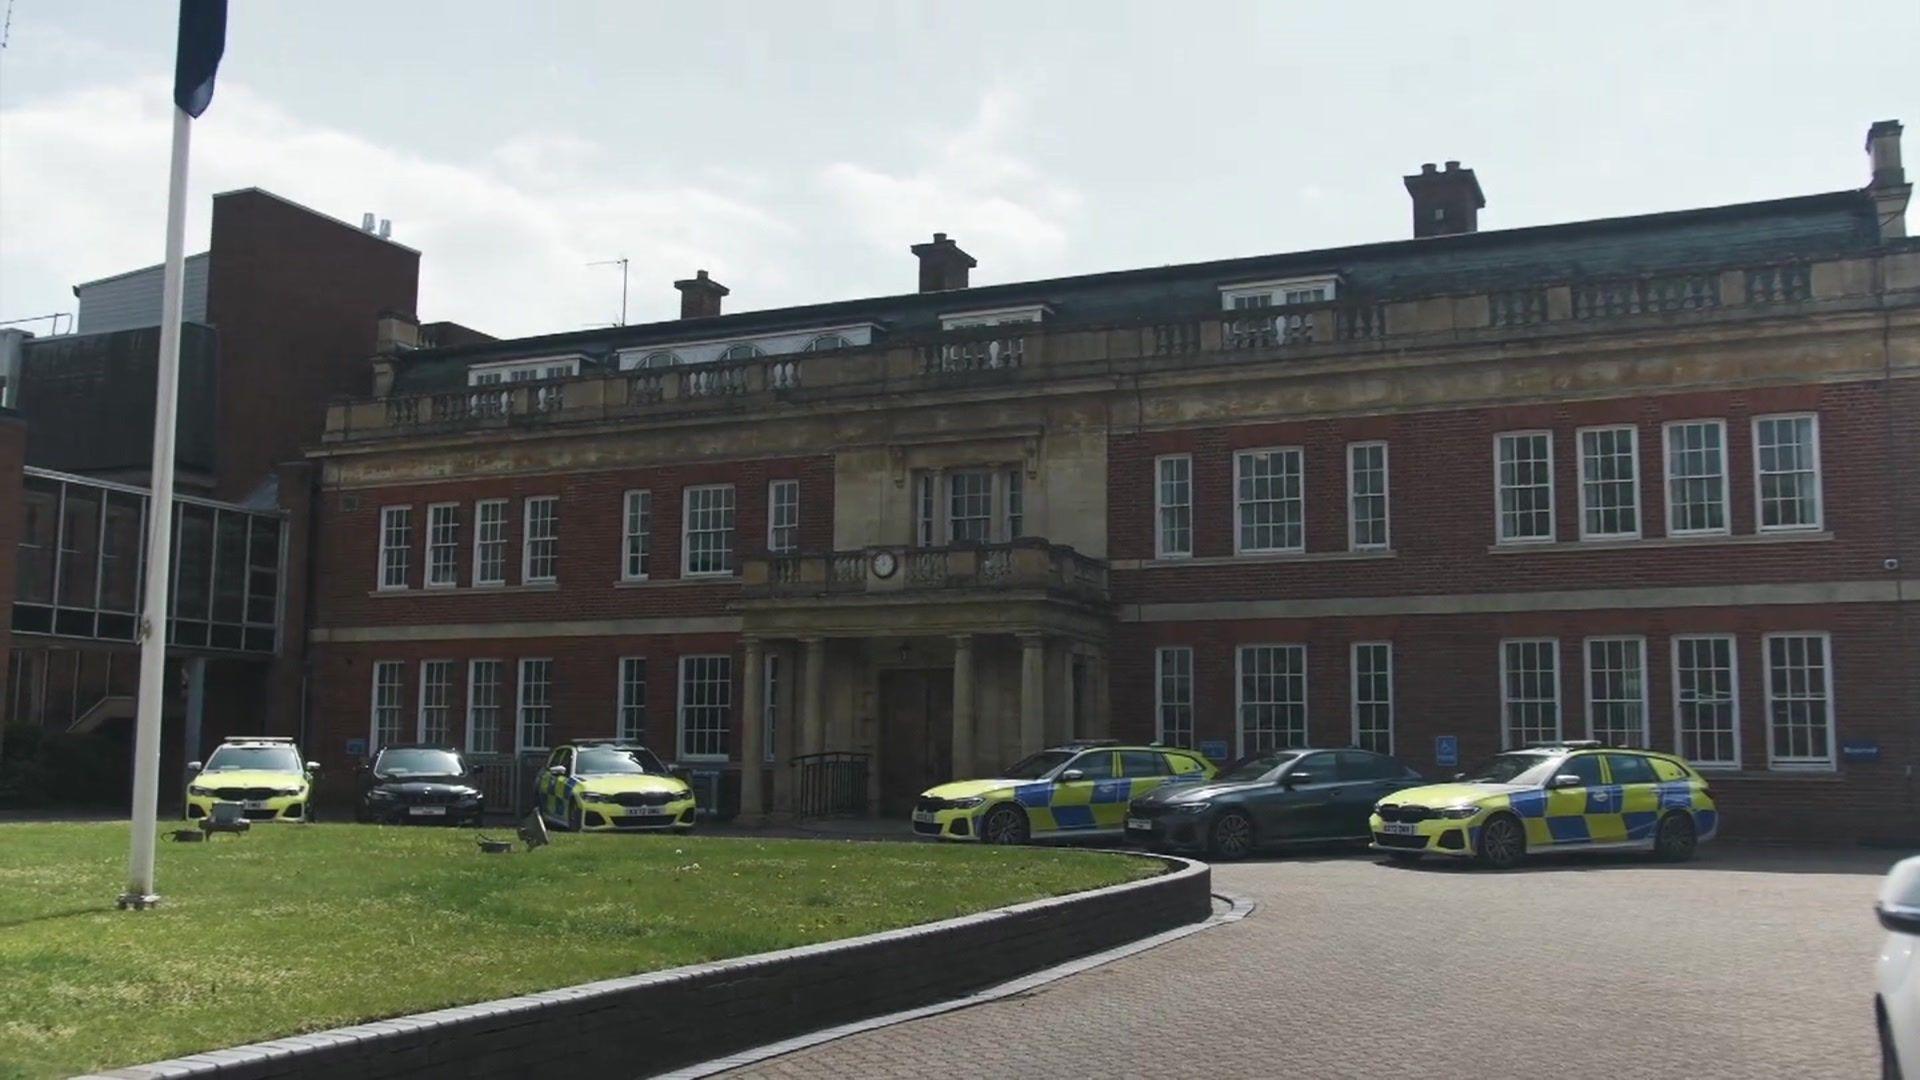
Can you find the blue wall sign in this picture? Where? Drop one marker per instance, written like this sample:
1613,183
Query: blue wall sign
1215,749
1860,750
1446,750
356,748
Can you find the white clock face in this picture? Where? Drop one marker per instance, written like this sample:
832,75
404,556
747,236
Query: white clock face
883,564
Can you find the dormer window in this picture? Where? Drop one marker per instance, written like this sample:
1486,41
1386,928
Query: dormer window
663,358
828,341
1262,294
742,351
1031,313
550,367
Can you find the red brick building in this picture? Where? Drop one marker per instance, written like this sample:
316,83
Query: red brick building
1651,479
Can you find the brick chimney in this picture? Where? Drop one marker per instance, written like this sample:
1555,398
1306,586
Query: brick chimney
700,296
943,265
1445,203
1889,189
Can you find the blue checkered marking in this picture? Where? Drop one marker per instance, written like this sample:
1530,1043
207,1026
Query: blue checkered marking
1529,803
1705,822
1033,794
1604,799
1676,793
1112,791
1640,823
1073,817
1569,829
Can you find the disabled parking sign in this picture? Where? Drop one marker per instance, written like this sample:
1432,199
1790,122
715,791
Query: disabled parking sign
1446,750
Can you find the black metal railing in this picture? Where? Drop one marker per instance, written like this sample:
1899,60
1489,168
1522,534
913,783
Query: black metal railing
833,784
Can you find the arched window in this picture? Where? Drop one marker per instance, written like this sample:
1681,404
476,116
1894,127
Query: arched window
661,359
742,351
828,341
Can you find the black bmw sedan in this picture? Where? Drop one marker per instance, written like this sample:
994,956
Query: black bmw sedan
419,784
1279,798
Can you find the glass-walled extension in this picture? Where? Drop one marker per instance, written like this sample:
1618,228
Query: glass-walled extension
80,572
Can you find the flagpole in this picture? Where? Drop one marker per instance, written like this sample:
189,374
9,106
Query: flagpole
153,620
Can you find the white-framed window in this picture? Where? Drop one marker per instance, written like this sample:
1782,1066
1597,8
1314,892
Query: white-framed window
536,705
396,537
827,343
636,535
632,725
540,533
770,708
1609,483
1529,691
1173,695
443,545
1617,691
1523,486
1173,506
490,542
1696,453
1367,497
1786,472
389,720
436,701
706,700
1373,696
483,706
523,370
1016,486
1269,500
1259,294
1799,700
1706,699
968,506
706,537
1010,316
742,351
783,516
1272,706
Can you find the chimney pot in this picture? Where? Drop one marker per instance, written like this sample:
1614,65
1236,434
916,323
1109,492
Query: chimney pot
700,296
1445,203
1889,188
943,265
1429,167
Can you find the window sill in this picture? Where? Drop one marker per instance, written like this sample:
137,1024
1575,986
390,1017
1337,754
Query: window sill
468,590
1651,542
669,583
1252,558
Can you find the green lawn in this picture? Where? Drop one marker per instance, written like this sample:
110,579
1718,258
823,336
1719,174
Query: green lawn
297,928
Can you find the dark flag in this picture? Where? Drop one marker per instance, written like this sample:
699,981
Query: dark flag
203,37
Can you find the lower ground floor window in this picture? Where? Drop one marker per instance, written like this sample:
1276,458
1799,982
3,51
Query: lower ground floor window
1529,691
536,704
1273,697
706,699
1799,705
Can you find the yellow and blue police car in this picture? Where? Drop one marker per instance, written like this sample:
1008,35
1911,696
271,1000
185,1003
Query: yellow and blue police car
1552,797
1075,789
266,776
595,784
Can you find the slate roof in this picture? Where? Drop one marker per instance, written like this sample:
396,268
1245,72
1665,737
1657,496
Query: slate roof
1804,227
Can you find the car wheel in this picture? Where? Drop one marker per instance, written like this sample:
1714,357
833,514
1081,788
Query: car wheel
576,818
1004,825
1675,839
1503,843
1231,836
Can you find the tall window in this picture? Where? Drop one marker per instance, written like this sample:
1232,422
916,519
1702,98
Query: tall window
490,542
1269,500
1367,496
483,706
436,698
396,536
443,545
389,715
1799,702
1617,691
1706,703
970,507
1696,477
1786,462
706,698
1273,697
636,535
1016,503
1524,480
707,521
536,704
539,555
1530,691
926,514
633,699
770,709
783,516
1609,483
1173,695
1173,507
1373,696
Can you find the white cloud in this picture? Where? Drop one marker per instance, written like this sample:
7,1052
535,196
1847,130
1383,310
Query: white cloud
972,184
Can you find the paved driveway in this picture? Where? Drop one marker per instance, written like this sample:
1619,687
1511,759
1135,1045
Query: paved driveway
1748,963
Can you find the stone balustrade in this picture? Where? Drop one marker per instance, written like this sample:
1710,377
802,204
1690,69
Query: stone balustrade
1025,564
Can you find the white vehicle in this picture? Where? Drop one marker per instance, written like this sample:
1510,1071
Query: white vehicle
1896,999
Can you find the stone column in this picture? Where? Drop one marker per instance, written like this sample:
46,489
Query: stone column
963,754
753,711
1033,693
1099,695
813,720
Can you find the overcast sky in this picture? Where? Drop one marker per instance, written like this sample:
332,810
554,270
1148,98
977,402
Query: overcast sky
796,149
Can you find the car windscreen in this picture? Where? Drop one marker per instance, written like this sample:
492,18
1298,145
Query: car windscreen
1036,766
419,762
1256,767
265,758
1512,769
617,760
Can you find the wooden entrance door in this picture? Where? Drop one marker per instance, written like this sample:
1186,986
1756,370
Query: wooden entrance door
916,736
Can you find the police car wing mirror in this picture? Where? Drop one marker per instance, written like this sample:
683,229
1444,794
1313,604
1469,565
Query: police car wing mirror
1071,775
194,766
1459,776
1566,779
1295,779
557,770
1898,918
313,766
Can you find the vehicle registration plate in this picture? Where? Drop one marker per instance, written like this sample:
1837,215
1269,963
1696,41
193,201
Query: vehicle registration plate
256,804
924,817
1399,828
1140,823
427,811
645,814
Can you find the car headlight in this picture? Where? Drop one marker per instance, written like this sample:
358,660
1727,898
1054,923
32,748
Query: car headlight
966,804
281,792
195,789
1459,813
1189,807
